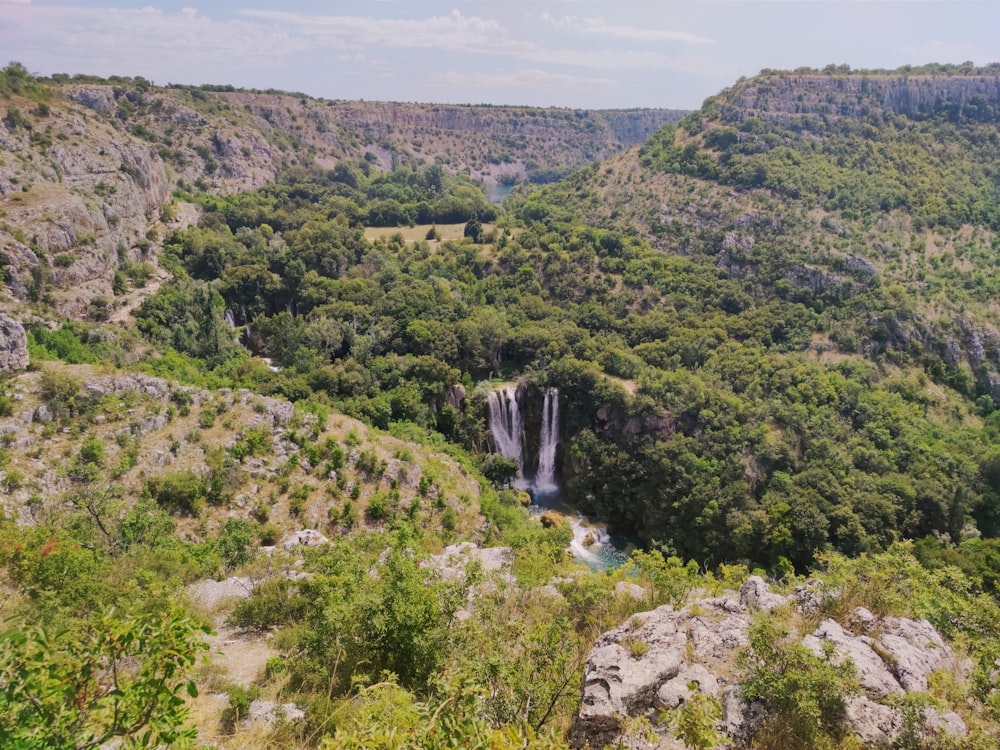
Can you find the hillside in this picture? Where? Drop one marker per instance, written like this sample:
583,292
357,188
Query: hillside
316,403
89,166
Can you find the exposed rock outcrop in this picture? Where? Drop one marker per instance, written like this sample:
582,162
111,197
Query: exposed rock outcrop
304,538
655,659
13,345
783,96
456,558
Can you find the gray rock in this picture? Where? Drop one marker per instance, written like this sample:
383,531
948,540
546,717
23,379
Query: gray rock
269,712
13,344
873,674
100,98
455,395
304,538
618,684
455,559
914,650
875,724
943,722
755,594
676,691
740,720
715,639
648,663
807,599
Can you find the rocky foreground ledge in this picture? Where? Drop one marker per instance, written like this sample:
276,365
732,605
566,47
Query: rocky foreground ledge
697,646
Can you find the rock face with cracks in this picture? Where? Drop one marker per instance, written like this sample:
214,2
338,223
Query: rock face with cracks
696,647
13,345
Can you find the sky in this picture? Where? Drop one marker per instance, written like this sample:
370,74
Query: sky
565,53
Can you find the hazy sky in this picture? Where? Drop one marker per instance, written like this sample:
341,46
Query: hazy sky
574,53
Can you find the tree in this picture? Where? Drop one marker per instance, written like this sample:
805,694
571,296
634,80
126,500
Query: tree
499,470
124,679
474,229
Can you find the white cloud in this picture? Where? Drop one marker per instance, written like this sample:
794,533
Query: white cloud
133,41
519,79
454,32
598,26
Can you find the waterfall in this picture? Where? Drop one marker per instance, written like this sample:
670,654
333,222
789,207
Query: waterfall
545,480
591,542
230,319
505,424
507,428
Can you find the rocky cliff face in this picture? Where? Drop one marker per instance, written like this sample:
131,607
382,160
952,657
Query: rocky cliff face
82,178
13,345
780,96
78,196
695,648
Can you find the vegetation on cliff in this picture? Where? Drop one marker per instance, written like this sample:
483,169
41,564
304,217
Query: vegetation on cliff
771,334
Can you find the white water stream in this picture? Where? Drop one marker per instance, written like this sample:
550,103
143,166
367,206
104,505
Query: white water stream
591,542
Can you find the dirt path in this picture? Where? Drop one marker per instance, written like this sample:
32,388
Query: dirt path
135,297
243,656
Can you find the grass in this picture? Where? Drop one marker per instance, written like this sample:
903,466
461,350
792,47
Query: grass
419,232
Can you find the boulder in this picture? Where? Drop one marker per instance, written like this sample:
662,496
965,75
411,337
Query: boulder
304,538
657,659
268,712
754,594
875,724
13,345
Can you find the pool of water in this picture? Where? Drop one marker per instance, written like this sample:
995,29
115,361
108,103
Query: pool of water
496,193
592,543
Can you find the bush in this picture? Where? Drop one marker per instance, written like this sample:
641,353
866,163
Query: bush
92,451
274,602
122,679
803,695
183,492
240,699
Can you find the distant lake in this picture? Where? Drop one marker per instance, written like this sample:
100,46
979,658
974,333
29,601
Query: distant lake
497,193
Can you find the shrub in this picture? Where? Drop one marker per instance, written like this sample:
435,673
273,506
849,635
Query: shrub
803,694
274,602
240,699
183,492
92,451
123,679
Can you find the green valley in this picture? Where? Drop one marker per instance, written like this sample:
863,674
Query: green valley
257,490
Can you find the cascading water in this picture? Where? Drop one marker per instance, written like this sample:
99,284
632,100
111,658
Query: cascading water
545,479
505,424
591,542
230,319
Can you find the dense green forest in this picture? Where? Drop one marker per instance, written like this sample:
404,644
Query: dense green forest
773,347
697,417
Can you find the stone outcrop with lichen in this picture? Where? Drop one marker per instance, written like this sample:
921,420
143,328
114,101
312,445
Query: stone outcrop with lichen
656,659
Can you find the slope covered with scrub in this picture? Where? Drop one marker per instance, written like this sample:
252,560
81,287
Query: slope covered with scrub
771,331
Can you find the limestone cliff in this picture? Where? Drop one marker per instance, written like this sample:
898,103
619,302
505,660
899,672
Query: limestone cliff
787,95
84,174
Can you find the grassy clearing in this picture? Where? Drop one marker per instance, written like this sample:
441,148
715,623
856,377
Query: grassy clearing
419,232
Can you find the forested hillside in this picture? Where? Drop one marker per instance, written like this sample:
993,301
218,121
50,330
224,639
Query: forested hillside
770,336
88,165
852,246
